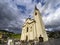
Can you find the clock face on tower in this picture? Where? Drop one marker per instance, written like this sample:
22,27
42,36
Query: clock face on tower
35,13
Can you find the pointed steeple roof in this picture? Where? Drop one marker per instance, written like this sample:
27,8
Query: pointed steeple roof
36,8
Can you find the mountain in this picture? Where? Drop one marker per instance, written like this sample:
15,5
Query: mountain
53,34
11,29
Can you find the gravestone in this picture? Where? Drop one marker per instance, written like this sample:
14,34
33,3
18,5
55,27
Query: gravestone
10,42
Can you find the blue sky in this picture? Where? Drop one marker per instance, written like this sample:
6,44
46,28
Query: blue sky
14,12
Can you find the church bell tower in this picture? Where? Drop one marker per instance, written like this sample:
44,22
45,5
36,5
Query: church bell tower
40,28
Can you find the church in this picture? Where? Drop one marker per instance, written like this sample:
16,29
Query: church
34,29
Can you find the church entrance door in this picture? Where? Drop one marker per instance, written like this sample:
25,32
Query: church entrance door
26,38
40,39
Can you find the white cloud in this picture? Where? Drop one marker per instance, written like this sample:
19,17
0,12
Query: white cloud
52,18
51,13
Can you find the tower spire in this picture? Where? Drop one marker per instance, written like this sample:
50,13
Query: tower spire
36,7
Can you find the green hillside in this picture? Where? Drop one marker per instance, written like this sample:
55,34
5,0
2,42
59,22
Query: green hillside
7,34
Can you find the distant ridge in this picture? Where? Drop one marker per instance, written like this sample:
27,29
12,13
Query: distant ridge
6,31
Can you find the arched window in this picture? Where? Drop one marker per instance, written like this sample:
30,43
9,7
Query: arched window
35,13
27,29
31,28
